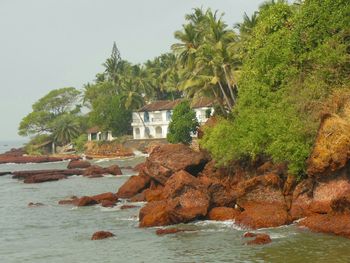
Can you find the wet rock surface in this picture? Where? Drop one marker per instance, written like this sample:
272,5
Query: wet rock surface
102,235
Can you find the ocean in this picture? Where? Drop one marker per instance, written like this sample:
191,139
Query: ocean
62,233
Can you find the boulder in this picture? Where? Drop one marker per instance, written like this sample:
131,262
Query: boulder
102,235
94,170
41,178
134,185
260,239
262,201
223,213
168,159
337,224
109,196
301,200
35,159
114,170
78,164
140,197
190,205
85,201
107,203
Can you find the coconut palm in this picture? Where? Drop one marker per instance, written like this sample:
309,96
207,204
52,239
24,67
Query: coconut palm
65,129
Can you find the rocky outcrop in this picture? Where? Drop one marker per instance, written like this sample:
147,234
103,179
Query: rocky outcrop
185,199
168,159
35,159
78,164
223,213
133,186
102,235
324,197
108,199
95,170
262,201
41,178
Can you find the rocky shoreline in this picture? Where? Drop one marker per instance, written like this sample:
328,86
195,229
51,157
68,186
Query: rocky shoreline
181,185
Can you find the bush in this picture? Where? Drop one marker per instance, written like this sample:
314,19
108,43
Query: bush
79,143
182,124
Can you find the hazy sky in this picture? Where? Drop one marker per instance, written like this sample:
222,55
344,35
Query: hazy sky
49,44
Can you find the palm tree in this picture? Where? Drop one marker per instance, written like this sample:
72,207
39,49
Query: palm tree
66,128
246,27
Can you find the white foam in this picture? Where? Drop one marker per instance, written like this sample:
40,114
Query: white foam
224,224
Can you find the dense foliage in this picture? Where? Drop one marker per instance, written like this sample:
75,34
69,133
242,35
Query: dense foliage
183,124
294,57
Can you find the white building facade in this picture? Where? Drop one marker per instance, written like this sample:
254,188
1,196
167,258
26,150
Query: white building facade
152,121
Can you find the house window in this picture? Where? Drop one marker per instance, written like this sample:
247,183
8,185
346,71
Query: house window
159,132
137,133
147,132
168,115
146,116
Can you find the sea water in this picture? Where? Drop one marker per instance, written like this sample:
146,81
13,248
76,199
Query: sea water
62,233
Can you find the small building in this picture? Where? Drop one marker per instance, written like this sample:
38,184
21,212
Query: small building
95,134
152,120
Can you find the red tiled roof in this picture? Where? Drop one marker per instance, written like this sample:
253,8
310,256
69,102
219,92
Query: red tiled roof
93,130
170,104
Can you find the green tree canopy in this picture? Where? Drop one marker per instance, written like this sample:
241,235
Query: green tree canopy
183,123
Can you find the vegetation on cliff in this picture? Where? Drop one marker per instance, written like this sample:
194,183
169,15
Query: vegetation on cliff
294,57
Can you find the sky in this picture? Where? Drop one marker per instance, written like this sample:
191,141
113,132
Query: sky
50,44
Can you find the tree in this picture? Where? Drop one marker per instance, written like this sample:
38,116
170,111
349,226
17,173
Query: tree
45,111
182,124
65,128
109,113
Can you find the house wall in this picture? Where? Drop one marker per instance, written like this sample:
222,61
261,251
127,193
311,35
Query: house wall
158,123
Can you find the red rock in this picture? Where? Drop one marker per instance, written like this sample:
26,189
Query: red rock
105,196
140,197
325,192
260,239
138,167
337,224
191,205
41,178
223,213
101,235
167,159
133,186
128,206
302,198
249,234
31,204
75,164
86,201
107,203
35,159
263,202
154,195
25,174
166,231
71,201
94,170
5,173
114,170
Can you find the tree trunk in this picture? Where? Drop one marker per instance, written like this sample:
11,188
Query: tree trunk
225,95
229,86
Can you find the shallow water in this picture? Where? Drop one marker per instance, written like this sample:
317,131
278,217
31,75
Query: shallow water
54,233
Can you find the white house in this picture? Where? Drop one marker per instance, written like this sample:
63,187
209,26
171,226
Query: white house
152,120
95,134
